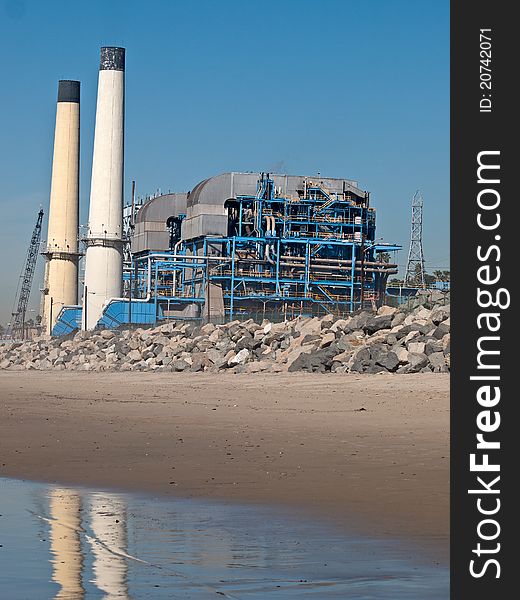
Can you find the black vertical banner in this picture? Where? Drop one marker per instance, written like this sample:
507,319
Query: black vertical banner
485,261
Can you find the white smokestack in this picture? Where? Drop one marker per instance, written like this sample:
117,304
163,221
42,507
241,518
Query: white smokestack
61,270
104,255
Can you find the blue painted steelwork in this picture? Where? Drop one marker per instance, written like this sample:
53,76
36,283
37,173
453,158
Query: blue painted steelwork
68,321
118,313
308,255
282,257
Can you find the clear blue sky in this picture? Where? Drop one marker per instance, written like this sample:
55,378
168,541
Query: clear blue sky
355,89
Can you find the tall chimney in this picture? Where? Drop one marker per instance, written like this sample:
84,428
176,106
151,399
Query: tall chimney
61,269
104,254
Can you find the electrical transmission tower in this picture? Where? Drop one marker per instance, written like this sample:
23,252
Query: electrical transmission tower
17,327
415,272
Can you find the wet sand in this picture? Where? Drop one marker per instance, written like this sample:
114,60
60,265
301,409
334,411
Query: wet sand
368,451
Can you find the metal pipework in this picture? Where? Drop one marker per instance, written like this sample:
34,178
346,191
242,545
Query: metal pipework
339,268
341,261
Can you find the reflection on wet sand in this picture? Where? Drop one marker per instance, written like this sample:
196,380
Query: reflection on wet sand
108,523
106,545
106,520
67,561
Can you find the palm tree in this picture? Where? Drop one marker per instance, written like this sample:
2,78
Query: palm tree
442,275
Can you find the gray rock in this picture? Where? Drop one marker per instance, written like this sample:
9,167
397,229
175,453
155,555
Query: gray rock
306,362
157,349
358,322
309,338
378,351
439,314
327,339
208,329
343,357
407,329
107,334
339,325
416,347
398,319
373,369
247,341
363,356
441,330
389,361
361,343
402,354
391,339
386,310
239,358
180,365
377,323
134,355
357,366
437,362
199,361
416,362
344,343
432,345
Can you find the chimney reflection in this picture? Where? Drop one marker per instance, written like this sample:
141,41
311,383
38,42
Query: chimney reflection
67,559
108,523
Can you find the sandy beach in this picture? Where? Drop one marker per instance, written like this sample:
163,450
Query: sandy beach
369,451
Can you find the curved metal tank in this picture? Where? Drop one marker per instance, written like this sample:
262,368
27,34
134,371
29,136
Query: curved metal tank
206,214
150,232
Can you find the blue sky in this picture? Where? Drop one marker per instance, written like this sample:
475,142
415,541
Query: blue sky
351,89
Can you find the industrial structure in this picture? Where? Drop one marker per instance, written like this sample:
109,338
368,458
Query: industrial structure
238,245
415,269
104,240
60,286
243,245
17,325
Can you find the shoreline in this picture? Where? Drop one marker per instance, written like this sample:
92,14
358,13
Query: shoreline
382,470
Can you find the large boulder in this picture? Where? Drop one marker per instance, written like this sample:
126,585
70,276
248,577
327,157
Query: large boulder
389,361
441,330
240,357
377,323
416,362
402,354
432,345
358,322
440,314
438,362
327,339
386,310
416,347
319,361
134,356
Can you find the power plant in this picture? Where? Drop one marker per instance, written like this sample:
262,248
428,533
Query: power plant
236,246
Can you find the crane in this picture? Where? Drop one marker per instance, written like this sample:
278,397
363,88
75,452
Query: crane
17,326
